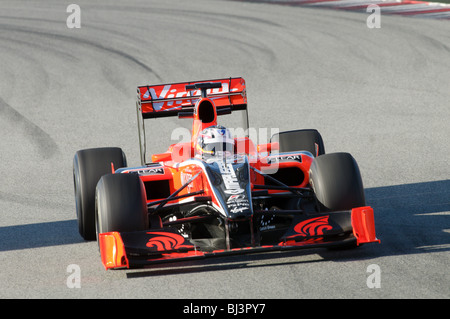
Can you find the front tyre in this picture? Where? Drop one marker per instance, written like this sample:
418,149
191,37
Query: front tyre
121,204
336,181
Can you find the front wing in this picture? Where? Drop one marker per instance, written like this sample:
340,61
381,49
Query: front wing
136,249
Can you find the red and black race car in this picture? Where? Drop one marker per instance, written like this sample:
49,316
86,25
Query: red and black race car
216,192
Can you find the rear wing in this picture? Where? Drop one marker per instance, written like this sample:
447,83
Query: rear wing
165,100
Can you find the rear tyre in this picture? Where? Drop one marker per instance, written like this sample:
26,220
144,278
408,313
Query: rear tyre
300,140
336,181
88,166
121,204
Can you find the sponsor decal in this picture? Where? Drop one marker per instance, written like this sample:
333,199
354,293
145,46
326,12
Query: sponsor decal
150,171
179,94
313,227
146,170
265,223
237,199
284,158
166,241
238,203
230,180
185,177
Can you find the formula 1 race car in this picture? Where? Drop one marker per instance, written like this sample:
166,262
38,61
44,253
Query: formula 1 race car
216,192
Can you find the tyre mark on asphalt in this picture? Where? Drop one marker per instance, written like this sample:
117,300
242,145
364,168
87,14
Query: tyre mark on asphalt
47,147
75,41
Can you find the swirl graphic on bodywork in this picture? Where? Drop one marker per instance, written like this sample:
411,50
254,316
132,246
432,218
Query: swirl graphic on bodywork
166,241
313,227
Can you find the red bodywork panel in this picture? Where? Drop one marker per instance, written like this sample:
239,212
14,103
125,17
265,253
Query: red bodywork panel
364,225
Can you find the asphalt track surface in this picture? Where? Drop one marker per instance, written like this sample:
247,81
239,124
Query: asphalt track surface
381,94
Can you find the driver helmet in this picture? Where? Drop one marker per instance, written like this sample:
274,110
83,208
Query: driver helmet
215,141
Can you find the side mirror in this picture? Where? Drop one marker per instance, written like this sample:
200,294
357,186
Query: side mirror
269,147
163,157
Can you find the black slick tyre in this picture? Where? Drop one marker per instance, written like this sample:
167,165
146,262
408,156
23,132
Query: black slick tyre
88,166
300,140
121,204
336,181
